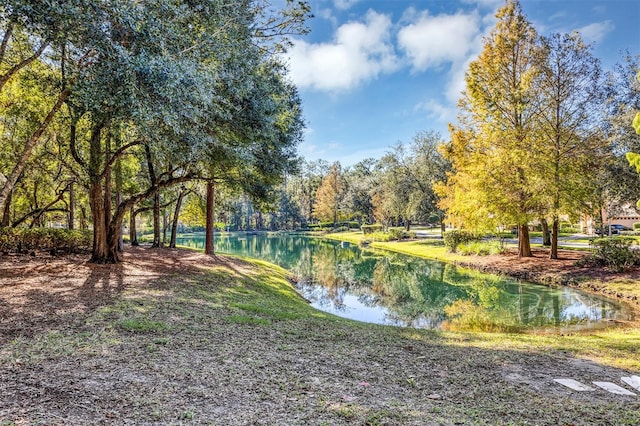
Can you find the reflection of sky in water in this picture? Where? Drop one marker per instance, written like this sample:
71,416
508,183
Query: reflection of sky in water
351,307
354,309
393,289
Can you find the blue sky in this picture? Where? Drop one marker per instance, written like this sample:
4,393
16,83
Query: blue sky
374,73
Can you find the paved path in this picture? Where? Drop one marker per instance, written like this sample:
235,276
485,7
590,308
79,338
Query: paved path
631,382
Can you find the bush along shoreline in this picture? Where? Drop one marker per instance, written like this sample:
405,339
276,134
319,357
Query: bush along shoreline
53,240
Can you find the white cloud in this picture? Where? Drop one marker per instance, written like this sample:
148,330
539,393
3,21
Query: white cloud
558,15
359,52
491,4
328,15
596,32
458,69
435,40
439,112
344,4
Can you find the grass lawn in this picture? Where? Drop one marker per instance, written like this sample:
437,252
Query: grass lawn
175,337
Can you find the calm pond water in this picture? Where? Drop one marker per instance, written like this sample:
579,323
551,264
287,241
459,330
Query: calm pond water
389,288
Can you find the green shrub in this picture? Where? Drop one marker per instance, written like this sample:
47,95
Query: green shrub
8,239
370,229
480,248
453,238
636,227
568,228
614,253
379,236
396,233
22,240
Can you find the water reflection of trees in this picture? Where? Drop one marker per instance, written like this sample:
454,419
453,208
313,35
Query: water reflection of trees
418,292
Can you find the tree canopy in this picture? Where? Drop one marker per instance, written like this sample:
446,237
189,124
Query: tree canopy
164,92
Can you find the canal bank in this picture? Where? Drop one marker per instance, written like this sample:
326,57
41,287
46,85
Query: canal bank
387,287
623,286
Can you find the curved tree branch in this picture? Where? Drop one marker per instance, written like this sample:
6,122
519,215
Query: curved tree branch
5,40
6,76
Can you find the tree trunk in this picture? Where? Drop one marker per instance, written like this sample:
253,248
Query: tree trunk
546,241
443,227
120,239
259,221
176,215
133,235
6,214
524,245
97,191
165,225
113,238
83,217
117,169
100,251
114,231
209,240
156,220
554,238
107,184
156,198
72,204
407,225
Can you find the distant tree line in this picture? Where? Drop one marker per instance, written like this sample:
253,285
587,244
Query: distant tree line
395,190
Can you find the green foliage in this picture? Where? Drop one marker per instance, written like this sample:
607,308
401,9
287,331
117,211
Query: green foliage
615,253
400,234
636,226
200,83
404,190
394,234
338,226
21,240
370,229
453,238
568,228
634,160
480,248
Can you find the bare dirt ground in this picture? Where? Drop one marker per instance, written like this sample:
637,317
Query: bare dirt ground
152,341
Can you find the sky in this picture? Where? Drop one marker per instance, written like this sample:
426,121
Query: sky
372,73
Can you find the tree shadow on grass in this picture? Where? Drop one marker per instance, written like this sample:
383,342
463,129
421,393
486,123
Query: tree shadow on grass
45,293
54,295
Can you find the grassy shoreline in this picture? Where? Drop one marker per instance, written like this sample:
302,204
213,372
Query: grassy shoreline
176,337
616,286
